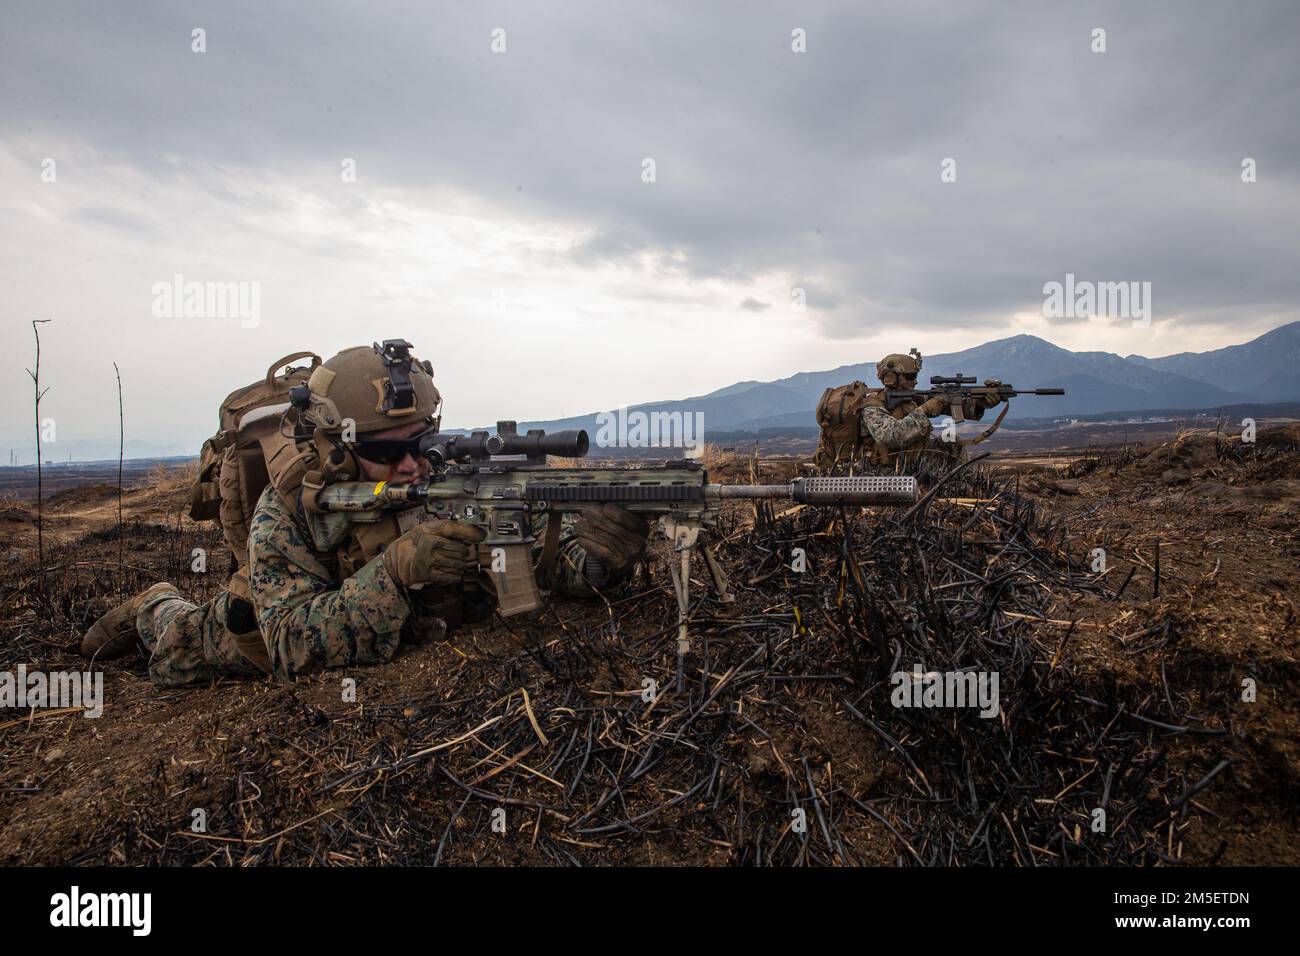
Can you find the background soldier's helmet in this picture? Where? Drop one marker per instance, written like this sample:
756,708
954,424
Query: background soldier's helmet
896,364
376,387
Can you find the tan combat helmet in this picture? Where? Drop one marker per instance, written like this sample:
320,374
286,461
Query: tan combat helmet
897,364
372,388
361,390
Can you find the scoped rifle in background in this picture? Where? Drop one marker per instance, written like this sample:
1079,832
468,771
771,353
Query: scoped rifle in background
471,481
955,389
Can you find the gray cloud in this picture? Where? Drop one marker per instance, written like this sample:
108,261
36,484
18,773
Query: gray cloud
1122,164
822,166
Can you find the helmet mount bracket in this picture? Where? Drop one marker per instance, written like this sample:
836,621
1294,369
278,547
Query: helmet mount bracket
398,394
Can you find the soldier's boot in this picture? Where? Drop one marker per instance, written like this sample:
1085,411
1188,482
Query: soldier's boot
115,633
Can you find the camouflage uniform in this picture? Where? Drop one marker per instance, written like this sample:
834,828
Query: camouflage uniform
190,644
902,436
312,614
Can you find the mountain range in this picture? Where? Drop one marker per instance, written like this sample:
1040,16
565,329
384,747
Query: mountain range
1265,369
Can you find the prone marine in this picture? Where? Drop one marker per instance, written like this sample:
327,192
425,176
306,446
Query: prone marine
291,609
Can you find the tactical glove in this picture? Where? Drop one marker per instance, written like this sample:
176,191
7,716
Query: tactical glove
614,536
434,552
935,406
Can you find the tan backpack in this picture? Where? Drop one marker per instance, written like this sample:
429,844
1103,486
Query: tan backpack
838,415
248,452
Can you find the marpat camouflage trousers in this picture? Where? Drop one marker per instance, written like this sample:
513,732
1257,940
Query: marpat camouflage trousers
189,643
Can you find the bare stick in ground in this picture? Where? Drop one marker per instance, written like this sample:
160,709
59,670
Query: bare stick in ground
40,529
121,448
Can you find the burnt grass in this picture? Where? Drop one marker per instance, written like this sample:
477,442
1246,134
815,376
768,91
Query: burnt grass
534,742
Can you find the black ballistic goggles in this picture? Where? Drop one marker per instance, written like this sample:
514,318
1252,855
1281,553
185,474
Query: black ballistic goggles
391,451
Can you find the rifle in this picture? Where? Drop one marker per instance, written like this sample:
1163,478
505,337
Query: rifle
471,481
955,389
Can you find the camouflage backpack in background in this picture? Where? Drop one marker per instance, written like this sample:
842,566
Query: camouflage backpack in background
838,416
247,453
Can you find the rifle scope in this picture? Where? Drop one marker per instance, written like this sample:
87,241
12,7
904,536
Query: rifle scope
442,449
537,444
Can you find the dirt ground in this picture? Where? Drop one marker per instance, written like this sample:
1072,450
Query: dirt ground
1123,689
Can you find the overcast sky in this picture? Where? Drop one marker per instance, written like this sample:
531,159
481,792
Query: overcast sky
499,217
